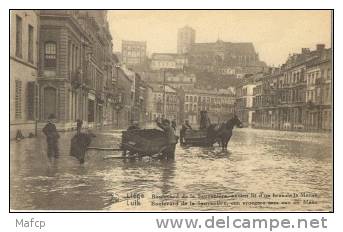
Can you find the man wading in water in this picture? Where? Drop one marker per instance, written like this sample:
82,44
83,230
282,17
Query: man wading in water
169,152
52,137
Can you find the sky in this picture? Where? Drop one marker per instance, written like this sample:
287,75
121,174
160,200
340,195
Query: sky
275,34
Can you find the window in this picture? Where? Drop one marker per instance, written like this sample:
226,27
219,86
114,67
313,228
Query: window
18,85
50,54
19,34
31,100
30,45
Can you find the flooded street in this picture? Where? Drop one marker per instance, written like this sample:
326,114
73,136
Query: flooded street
291,165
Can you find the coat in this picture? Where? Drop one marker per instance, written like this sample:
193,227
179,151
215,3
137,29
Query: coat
79,145
169,131
50,132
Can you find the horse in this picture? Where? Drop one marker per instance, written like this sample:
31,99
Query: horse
222,133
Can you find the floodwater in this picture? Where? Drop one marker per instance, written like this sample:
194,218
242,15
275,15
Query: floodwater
261,171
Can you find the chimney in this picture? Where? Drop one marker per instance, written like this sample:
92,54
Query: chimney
305,50
320,47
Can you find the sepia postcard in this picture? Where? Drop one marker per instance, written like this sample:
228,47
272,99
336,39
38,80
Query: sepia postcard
171,110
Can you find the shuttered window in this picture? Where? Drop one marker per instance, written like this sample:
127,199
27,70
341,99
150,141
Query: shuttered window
30,44
18,97
31,100
19,35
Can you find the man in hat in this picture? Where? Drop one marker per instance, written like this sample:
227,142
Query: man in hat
172,140
184,127
52,137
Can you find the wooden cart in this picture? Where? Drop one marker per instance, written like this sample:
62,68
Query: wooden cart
197,138
144,142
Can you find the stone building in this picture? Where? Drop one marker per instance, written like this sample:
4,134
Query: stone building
185,39
244,102
225,58
318,92
123,98
23,71
168,61
134,53
266,100
218,103
75,67
165,104
180,80
297,96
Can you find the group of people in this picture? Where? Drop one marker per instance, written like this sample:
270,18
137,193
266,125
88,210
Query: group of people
81,140
169,128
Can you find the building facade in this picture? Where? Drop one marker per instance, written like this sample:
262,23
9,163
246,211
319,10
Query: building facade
134,53
168,61
219,104
297,96
318,93
225,58
181,80
244,103
185,39
24,33
75,71
165,103
123,98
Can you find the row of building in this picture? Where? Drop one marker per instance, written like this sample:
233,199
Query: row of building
62,64
222,58
296,96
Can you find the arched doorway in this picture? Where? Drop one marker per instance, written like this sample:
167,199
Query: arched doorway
49,102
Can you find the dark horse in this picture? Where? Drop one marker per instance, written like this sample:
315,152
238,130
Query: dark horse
222,133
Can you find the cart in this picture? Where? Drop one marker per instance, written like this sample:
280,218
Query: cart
144,142
197,138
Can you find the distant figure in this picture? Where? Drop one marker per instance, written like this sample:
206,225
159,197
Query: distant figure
172,140
79,123
52,137
134,126
173,124
204,120
185,126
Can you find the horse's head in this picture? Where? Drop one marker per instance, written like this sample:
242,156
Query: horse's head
236,122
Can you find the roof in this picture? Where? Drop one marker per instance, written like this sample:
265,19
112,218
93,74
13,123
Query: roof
165,56
159,88
211,91
237,48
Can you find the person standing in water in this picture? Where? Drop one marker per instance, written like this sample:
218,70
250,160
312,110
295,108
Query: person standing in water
52,137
